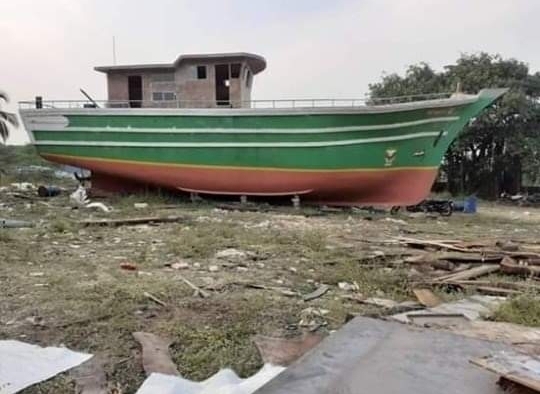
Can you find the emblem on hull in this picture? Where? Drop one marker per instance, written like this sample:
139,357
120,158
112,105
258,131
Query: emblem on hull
389,157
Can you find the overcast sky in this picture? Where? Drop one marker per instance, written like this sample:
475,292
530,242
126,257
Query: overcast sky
314,48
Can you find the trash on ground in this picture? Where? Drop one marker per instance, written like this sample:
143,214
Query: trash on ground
132,221
349,286
319,292
313,318
231,254
471,308
519,368
129,266
223,382
284,351
90,377
80,199
23,364
8,223
155,354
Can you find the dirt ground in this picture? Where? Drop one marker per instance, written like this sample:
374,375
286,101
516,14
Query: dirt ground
63,283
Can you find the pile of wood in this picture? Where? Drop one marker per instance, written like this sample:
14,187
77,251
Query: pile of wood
462,263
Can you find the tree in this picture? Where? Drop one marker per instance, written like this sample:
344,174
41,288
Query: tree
491,154
7,119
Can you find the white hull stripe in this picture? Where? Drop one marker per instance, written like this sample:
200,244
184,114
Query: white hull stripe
174,130
238,144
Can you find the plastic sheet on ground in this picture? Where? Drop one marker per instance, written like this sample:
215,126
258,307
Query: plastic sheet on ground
23,364
223,382
471,308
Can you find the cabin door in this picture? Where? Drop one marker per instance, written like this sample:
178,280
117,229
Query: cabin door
135,91
222,84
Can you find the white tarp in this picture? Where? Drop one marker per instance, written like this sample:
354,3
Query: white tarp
22,364
223,382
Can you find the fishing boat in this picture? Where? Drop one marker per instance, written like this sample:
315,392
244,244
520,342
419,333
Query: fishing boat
191,126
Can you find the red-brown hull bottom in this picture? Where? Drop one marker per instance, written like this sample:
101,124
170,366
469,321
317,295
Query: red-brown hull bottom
405,186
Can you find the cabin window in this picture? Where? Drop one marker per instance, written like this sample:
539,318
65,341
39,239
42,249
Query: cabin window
163,96
235,70
163,77
201,72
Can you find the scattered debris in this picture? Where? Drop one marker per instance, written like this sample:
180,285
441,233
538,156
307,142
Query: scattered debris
181,265
154,298
80,199
140,205
382,302
471,308
213,268
198,291
155,354
515,367
282,351
224,382
7,223
231,254
319,292
349,286
313,318
471,273
128,266
23,364
364,350
90,377
132,221
510,266
426,297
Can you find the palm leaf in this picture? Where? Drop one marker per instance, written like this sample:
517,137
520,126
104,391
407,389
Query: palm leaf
4,131
6,119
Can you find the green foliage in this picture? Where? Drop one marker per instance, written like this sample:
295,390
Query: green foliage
7,119
524,309
503,142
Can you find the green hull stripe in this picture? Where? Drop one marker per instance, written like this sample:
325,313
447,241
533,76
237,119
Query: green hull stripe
239,144
263,130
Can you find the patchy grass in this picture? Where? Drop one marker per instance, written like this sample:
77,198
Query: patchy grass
523,309
70,276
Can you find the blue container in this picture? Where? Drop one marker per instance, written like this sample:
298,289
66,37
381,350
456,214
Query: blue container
469,205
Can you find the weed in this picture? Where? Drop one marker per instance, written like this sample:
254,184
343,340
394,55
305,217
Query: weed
523,309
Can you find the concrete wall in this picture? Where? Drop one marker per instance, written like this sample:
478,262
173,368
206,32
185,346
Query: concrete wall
190,91
117,87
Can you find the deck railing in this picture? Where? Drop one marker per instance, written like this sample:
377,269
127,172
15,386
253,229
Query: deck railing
254,104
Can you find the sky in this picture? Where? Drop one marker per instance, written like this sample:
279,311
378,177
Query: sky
313,48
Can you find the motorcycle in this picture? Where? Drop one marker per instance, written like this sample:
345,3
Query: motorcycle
442,207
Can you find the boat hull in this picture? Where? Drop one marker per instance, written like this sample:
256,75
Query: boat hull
381,155
379,186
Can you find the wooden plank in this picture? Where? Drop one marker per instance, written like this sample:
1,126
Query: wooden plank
426,297
510,266
516,367
471,273
132,221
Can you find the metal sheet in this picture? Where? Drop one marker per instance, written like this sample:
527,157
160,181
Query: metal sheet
380,357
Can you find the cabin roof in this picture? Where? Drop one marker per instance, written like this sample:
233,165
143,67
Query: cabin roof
257,63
